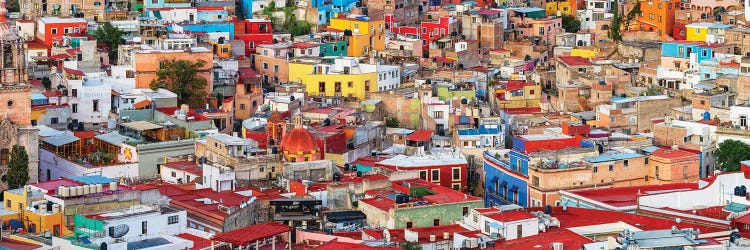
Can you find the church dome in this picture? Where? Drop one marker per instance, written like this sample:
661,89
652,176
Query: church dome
298,140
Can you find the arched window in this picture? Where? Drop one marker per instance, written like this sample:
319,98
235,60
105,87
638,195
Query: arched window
7,56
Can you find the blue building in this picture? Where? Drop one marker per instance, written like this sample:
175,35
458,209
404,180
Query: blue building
150,4
209,28
681,49
505,180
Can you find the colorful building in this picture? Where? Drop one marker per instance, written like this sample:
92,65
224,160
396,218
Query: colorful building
298,144
707,32
52,30
427,31
563,7
427,204
441,167
518,96
253,32
362,33
147,62
659,16
344,77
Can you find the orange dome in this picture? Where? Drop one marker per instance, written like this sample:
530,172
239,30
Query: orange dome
298,140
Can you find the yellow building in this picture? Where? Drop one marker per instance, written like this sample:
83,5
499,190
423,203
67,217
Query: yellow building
367,34
697,31
585,53
518,95
565,7
343,77
29,206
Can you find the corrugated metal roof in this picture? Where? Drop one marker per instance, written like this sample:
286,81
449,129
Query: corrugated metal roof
113,138
61,139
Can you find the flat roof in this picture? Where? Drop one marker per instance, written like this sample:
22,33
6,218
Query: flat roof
542,137
628,196
612,157
141,125
113,138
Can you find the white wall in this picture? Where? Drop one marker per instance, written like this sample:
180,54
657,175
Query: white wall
61,167
166,175
178,15
715,194
389,77
157,224
86,95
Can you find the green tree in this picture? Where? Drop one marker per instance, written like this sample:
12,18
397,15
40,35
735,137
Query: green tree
181,77
730,153
571,24
12,6
633,13
392,122
47,83
614,29
411,246
110,35
18,168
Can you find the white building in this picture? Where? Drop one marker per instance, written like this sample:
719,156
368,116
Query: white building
181,172
218,178
89,98
505,224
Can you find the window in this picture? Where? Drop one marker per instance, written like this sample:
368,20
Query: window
436,222
531,92
275,68
656,170
74,92
456,174
53,31
697,31
475,218
33,122
144,227
685,172
435,175
350,84
651,16
261,169
367,85
8,203
265,65
242,106
705,53
173,219
596,169
423,175
95,105
53,120
624,163
743,121
409,224
174,174
456,187
322,87
337,87
535,181
612,168
75,107
519,231
437,114
645,161
659,18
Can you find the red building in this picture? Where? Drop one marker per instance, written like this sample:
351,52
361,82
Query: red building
52,29
427,31
253,32
442,166
533,143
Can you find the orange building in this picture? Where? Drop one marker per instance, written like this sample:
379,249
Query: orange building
147,62
657,15
298,145
671,165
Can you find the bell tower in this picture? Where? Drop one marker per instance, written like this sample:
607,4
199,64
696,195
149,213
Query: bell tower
15,101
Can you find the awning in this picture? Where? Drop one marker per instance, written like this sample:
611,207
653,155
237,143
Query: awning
503,184
61,139
142,104
513,189
342,216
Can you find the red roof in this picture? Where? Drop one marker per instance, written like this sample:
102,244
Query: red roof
198,242
246,235
338,245
51,186
420,135
579,217
745,219
210,8
73,71
54,93
187,166
628,196
35,82
142,104
671,153
510,216
303,45
569,239
84,134
516,85
574,60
